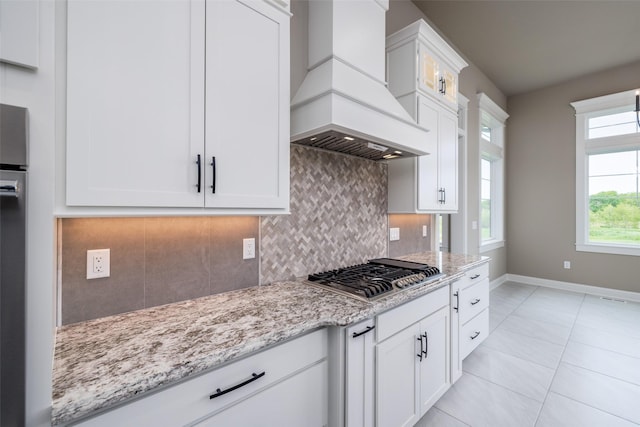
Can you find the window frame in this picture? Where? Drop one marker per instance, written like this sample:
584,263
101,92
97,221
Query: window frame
585,110
492,117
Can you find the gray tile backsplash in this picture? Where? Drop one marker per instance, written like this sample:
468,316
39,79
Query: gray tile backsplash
154,261
411,239
338,217
123,291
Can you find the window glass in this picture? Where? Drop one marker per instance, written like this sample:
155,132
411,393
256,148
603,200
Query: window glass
612,125
614,197
485,196
485,132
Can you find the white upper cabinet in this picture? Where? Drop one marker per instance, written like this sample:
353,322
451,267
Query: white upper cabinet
135,102
157,89
19,22
423,75
419,59
427,183
247,114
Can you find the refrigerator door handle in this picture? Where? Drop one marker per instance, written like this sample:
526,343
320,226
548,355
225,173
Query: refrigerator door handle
9,188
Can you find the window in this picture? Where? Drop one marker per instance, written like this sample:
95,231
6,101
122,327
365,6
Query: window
492,122
608,175
485,200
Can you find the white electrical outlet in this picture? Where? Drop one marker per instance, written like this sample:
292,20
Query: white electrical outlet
98,263
248,248
567,265
424,231
394,234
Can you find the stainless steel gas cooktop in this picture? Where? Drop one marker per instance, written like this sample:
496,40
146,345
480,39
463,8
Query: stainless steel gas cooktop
377,279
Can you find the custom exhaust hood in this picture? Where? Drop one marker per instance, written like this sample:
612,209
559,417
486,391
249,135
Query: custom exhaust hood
343,103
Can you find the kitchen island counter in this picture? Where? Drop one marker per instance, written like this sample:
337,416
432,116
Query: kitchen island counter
103,362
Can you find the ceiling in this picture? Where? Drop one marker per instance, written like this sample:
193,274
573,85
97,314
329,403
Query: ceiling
524,45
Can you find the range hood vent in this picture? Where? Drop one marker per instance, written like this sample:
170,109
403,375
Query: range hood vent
343,103
353,146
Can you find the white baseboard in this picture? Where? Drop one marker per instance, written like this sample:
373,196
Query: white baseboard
497,282
573,287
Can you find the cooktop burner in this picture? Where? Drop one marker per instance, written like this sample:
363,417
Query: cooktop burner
378,278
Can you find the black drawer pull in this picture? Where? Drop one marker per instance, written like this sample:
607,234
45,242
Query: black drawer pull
426,345
213,172
475,302
475,276
220,392
198,162
369,329
474,336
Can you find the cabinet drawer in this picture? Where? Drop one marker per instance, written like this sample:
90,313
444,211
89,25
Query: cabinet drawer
392,321
473,299
476,274
304,395
473,333
190,400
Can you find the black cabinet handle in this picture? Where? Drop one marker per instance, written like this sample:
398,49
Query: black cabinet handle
477,300
369,329
474,336
213,170
220,392
457,302
445,86
426,345
444,196
421,350
475,276
199,163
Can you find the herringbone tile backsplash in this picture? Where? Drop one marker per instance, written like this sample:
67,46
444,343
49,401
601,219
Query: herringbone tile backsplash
338,216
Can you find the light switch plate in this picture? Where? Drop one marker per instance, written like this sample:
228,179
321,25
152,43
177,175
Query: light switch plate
394,234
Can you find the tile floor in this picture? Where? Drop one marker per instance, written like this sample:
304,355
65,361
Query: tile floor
553,359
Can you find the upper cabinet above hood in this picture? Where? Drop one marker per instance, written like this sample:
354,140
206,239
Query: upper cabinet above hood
343,104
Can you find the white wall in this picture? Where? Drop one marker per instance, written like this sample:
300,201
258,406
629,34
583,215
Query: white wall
35,90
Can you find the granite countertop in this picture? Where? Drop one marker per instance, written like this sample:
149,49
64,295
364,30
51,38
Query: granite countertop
102,362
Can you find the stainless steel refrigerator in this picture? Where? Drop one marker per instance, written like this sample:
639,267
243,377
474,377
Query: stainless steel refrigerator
13,187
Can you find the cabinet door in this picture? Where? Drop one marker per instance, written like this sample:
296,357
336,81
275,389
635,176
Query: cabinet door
19,28
397,377
428,194
298,401
429,71
135,102
434,367
247,98
448,160
360,375
455,360
450,87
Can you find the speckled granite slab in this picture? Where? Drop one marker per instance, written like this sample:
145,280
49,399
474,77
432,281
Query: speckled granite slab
102,362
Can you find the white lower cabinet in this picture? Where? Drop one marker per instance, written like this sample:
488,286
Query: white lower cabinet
285,385
469,314
360,374
412,366
297,401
